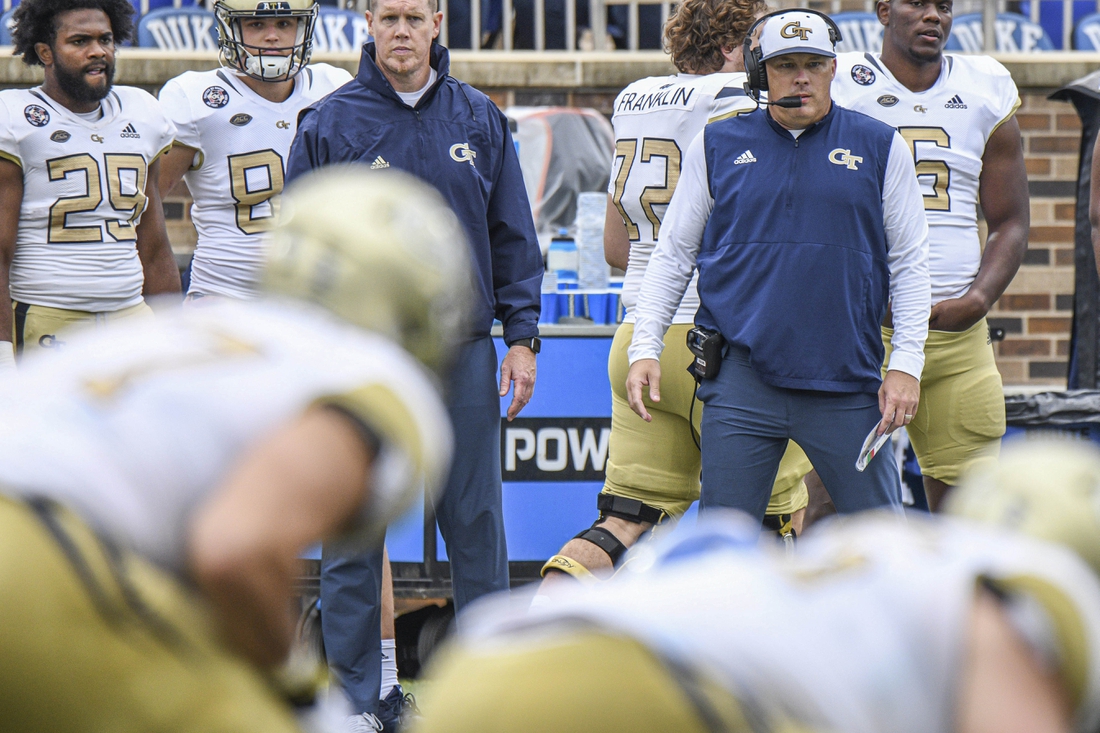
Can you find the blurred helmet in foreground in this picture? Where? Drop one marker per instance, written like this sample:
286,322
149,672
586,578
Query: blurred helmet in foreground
1045,488
379,249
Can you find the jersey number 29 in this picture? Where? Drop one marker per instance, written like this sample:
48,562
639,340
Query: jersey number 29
126,174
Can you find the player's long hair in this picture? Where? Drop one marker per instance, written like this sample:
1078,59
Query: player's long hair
699,29
34,23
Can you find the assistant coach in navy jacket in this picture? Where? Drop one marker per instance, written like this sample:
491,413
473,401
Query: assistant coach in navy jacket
403,111
806,223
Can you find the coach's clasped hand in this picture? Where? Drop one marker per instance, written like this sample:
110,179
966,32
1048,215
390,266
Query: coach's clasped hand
897,399
644,372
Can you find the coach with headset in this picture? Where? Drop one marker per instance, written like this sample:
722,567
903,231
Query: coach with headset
806,223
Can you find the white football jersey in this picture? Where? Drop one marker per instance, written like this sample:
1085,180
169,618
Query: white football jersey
947,127
133,426
83,196
877,610
242,141
655,120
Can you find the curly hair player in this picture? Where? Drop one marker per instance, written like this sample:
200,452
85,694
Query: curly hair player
82,235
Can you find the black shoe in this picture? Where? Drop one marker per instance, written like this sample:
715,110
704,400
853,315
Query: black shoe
397,710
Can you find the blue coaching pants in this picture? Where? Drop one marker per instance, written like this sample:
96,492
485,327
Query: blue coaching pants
470,519
745,428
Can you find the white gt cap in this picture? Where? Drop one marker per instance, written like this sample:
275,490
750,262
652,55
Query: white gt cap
795,32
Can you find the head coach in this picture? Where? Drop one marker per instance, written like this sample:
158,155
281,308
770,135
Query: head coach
403,110
806,224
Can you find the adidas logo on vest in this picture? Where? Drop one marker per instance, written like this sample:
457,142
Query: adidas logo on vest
379,162
955,102
745,157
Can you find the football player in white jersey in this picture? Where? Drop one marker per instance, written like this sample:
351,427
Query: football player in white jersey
234,127
159,479
82,234
653,468
938,625
957,112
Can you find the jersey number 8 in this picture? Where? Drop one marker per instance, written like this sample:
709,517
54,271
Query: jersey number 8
124,171
255,179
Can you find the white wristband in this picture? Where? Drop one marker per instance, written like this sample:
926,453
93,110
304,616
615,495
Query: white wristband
7,356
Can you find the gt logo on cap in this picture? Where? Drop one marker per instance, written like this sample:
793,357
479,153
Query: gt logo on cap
794,29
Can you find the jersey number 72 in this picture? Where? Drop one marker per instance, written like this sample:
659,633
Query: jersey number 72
651,196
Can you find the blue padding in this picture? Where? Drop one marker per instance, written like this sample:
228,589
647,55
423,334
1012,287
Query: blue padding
1086,36
179,29
405,537
5,27
340,31
571,380
859,32
1015,34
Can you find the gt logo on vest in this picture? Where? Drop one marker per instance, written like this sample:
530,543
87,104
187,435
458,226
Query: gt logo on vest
840,156
794,29
461,153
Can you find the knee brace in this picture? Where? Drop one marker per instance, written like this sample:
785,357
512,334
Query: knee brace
569,566
599,537
629,510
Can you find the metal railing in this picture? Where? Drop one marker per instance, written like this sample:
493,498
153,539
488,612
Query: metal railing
531,17
595,36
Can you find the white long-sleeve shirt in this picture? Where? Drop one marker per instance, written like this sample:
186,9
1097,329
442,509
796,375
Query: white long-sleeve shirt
681,236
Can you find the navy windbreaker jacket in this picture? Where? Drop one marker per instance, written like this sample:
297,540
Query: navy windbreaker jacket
458,141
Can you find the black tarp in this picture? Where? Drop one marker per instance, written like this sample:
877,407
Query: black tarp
1073,408
563,151
1084,368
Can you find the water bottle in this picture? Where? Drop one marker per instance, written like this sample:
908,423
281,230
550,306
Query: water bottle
562,260
593,271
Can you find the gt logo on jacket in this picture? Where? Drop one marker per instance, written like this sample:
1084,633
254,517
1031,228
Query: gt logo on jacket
461,153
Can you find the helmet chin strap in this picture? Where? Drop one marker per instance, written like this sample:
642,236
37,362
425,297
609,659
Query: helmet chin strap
267,66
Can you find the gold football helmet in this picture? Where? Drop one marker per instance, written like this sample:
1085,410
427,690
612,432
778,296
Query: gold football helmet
239,56
1045,488
380,249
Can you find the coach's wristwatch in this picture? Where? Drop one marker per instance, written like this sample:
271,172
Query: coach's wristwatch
534,343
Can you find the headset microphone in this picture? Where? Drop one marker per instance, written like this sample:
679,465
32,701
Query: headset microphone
789,102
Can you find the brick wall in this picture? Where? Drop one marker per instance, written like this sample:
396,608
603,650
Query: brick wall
1036,310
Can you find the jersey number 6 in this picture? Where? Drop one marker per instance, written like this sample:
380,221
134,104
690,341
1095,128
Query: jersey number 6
940,199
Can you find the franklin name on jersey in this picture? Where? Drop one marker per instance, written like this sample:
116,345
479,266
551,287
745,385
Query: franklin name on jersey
655,121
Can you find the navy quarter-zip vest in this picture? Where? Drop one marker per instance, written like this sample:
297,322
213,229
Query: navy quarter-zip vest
793,263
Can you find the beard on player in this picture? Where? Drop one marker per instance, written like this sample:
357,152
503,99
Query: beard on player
74,82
